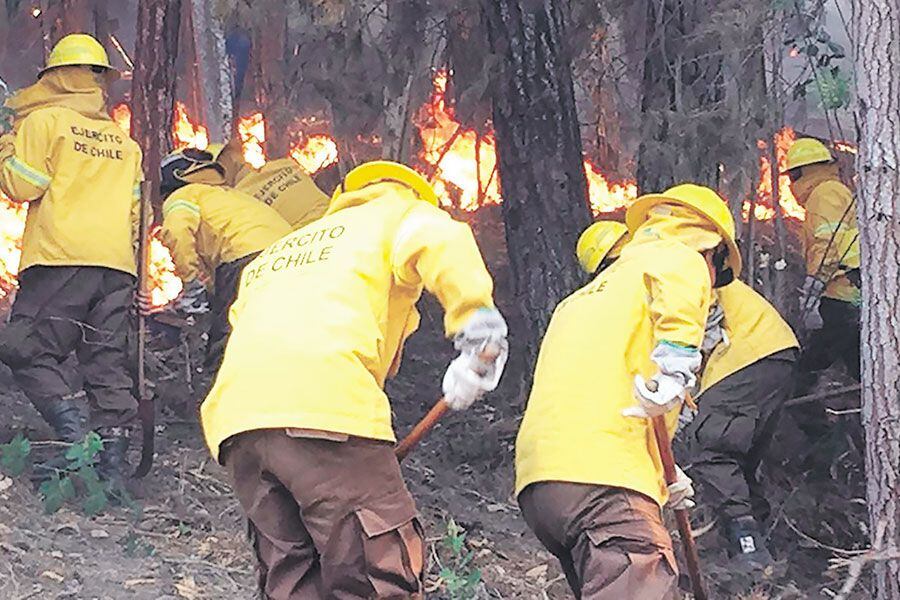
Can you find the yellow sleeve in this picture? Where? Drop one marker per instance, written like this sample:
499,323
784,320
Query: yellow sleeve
825,215
181,221
25,175
433,250
679,293
136,201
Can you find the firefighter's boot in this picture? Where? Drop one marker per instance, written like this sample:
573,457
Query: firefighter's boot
113,466
65,416
746,543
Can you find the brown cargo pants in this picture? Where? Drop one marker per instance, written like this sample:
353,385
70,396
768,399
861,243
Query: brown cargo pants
611,542
227,283
327,519
86,310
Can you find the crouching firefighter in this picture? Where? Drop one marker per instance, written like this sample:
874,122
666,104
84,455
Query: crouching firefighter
589,478
298,412
281,184
751,353
750,368
80,174
212,231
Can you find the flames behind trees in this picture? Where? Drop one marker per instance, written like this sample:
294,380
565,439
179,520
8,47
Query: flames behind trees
460,161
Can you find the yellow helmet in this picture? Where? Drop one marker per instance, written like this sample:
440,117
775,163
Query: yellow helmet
386,170
603,239
806,151
699,198
78,49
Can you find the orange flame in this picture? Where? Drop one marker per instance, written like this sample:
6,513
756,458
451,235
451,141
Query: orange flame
463,163
312,152
184,133
315,152
252,130
764,209
164,284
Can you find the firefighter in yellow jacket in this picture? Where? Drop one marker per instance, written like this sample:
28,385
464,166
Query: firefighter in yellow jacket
213,232
79,172
298,413
281,184
830,299
746,342
588,475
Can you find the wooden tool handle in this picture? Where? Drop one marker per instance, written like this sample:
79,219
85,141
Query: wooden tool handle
421,429
682,516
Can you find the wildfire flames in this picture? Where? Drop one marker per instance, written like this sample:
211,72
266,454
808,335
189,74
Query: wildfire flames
764,208
460,162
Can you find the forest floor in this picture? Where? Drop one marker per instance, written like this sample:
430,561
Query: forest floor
187,538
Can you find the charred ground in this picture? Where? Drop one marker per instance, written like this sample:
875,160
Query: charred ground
187,541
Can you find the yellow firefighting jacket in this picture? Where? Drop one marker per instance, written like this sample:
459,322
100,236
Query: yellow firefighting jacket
321,316
81,177
755,330
284,186
830,233
599,338
205,226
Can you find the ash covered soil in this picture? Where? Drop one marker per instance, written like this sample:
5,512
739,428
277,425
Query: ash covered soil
187,539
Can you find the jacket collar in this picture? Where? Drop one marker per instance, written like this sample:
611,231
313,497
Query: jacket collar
813,176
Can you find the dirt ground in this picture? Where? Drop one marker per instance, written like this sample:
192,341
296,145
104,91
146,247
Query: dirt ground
188,540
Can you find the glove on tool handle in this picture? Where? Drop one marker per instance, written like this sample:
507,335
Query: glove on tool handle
434,415
682,516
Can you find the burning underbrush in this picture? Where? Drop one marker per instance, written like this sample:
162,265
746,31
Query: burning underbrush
460,161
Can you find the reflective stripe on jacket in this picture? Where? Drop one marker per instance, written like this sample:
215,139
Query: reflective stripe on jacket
830,232
81,178
599,338
287,188
321,316
205,226
755,330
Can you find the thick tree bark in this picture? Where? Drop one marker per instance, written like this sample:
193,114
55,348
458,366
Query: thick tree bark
545,201
876,31
269,57
153,86
682,81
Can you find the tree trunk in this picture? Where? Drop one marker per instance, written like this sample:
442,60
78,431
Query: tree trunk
682,81
545,204
74,16
876,30
153,86
269,58
213,71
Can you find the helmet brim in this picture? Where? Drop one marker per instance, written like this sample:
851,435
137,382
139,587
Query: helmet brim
637,214
112,74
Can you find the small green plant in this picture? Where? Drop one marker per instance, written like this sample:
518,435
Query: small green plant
460,578
14,455
80,468
136,547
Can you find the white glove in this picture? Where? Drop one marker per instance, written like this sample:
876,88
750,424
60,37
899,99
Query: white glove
810,298
677,374
472,374
192,299
715,329
483,328
681,492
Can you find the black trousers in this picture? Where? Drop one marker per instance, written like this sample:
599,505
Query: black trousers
85,310
838,340
228,280
731,433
